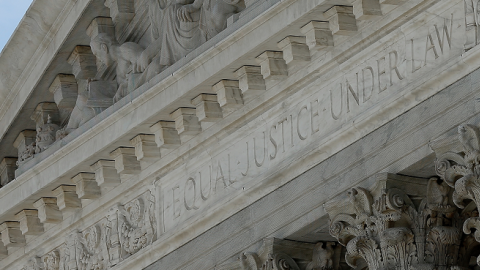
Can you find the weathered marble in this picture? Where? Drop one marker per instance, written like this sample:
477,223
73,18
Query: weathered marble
217,128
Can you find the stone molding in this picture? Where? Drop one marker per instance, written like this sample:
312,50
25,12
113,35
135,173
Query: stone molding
132,156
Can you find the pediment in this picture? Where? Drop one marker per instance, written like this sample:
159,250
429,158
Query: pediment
122,111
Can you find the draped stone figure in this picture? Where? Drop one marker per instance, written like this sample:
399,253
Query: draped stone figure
213,14
180,26
179,37
172,39
106,48
472,22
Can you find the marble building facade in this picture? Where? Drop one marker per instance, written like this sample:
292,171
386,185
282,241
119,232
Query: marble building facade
241,134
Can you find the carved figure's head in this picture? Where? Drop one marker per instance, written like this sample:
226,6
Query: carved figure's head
102,47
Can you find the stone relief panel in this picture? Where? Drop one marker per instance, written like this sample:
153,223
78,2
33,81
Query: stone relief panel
404,228
125,230
177,28
51,261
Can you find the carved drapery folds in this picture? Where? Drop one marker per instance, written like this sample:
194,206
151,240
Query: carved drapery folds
403,228
472,22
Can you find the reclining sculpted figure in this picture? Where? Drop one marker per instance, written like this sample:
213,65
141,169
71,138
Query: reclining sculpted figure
106,48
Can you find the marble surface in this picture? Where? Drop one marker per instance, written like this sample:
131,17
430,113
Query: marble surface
306,113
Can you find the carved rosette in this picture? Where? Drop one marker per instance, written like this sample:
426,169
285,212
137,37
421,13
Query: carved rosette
390,231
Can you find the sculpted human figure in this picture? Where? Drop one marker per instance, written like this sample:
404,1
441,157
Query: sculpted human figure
179,37
81,113
472,21
214,14
172,38
150,57
106,48
180,26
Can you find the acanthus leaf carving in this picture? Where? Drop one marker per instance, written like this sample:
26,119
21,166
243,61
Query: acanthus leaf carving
461,171
402,234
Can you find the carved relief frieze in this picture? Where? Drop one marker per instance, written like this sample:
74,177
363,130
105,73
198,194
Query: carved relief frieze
85,250
131,227
46,135
398,228
34,263
51,261
125,230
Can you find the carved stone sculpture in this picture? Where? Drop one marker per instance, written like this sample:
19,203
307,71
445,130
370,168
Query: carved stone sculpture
33,264
322,257
278,254
394,229
51,261
214,14
180,26
25,143
46,135
106,48
84,251
472,22
125,230
461,170
130,227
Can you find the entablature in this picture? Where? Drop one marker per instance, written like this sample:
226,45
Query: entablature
258,78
